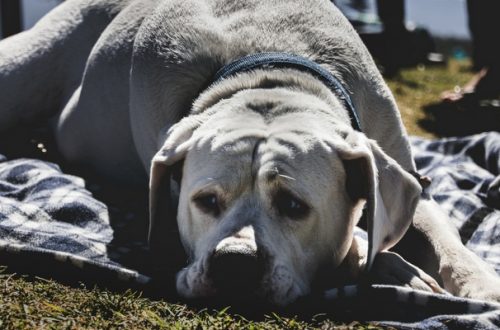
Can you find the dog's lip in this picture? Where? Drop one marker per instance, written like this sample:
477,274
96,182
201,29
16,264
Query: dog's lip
237,299
256,297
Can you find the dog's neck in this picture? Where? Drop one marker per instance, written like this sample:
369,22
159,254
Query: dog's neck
290,79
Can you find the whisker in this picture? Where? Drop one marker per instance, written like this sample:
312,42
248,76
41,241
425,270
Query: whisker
286,177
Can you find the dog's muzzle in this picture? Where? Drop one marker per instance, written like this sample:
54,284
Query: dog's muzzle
236,266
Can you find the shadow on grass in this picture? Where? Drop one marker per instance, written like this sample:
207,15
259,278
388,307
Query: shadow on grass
446,119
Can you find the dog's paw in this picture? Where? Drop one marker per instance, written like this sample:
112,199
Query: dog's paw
391,268
485,289
474,279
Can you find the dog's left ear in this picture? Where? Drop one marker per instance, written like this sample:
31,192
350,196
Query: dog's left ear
391,192
164,239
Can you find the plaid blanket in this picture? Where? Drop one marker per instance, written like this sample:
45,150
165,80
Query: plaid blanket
51,225
466,183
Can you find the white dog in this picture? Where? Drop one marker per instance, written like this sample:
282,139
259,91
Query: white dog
274,173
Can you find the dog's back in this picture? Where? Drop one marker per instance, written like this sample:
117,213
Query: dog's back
182,44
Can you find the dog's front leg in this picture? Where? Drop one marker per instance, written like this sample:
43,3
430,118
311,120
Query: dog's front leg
433,244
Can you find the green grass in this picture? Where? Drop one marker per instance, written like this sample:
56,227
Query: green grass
45,304
27,303
417,88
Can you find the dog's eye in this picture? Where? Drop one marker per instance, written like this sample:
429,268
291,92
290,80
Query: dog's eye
208,203
290,206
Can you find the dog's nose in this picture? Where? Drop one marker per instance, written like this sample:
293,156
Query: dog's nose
236,268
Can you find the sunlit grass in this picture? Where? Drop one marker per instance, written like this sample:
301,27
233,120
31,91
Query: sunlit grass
417,87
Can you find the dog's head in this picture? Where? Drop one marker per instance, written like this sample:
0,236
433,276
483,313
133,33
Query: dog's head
272,187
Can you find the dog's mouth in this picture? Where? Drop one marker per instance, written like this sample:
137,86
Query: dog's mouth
240,297
244,280
237,288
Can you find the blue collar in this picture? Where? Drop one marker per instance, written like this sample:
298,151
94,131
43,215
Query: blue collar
284,60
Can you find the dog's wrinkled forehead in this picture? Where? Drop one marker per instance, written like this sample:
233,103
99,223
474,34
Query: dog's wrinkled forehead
264,134
300,119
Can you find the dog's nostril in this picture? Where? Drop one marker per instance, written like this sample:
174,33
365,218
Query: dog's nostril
236,270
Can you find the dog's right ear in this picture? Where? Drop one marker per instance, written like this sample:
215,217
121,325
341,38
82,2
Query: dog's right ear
391,192
164,240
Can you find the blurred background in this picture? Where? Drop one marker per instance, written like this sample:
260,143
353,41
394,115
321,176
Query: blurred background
443,18
440,27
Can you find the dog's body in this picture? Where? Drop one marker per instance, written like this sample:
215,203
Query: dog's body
268,153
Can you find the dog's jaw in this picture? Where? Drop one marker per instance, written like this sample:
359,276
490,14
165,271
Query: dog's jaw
279,287
192,282
282,287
